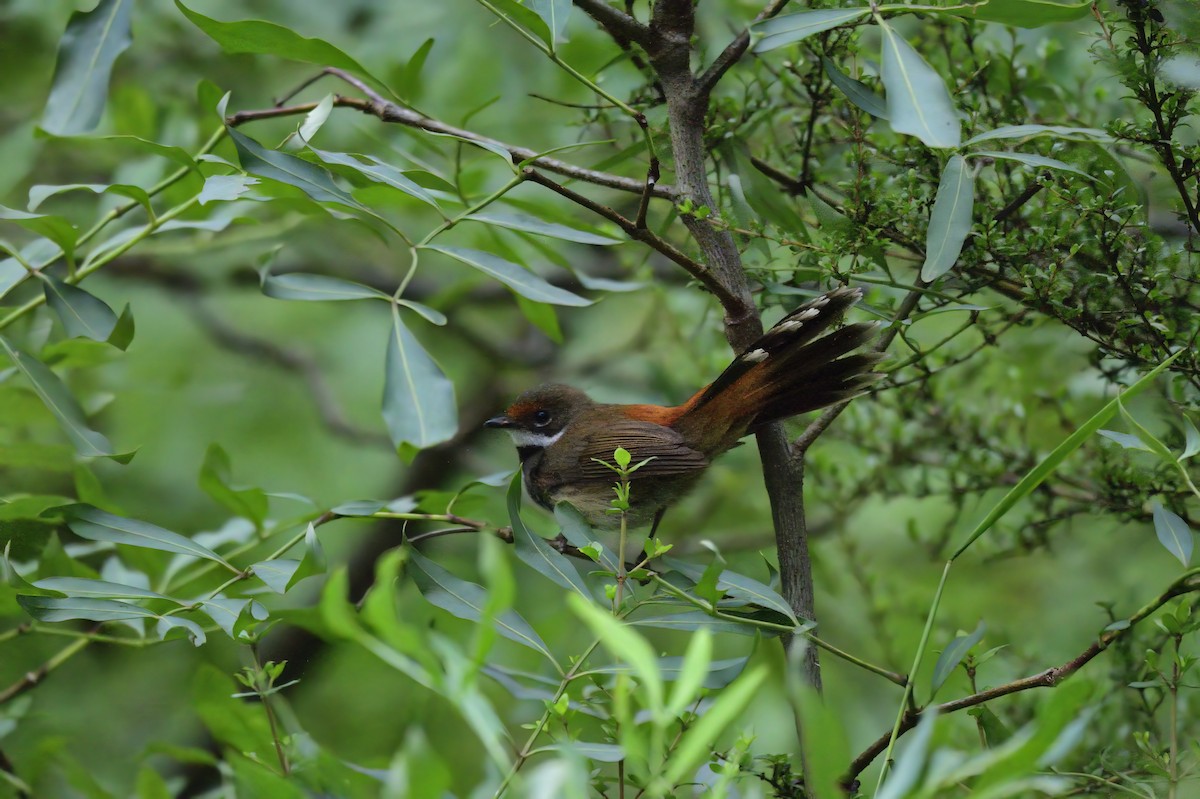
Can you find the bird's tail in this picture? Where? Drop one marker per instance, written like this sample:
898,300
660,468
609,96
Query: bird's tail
796,366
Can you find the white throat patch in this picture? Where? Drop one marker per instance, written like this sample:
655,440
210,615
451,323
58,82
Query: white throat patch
524,438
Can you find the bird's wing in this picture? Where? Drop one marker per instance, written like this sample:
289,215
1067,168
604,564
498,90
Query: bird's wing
671,454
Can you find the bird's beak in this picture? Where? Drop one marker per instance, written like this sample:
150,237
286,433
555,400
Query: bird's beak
498,422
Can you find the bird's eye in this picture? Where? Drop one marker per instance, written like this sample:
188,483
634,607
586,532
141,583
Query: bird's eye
541,418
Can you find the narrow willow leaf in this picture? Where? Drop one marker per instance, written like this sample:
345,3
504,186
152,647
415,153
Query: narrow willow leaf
917,100
626,645
1191,439
170,152
359,507
695,746
496,148
317,288
1149,439
314,119
693,620
313,562
83,315
167,625
580,534
950,220
122,333
277,573
48,608
97,525
1024,13
54,394
696,662
738,586
249,503
1126,440
952,655
466,600
536,552
856,91
531,224
1033,160
409,82
520,280
86,53
40,193
789,28
267,38
1029,131
376,171
1046,467
554,13
912,761
1173,533
225,188
525,17
83,587
311,179
431,315
233,614
822,734
418,399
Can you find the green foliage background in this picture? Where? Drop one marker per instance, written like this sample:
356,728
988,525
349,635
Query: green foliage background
892,489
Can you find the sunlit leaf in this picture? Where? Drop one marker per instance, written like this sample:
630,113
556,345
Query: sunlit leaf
418,399
520,280
86,53
789,28
917,100
950,220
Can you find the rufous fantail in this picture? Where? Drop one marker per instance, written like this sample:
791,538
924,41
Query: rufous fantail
561,434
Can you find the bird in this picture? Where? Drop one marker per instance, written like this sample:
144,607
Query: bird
564,438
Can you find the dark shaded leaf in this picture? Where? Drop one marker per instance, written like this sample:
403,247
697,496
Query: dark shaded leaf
466,601
952,655
83,315
856,91
86,54
97,525
54,394
537,553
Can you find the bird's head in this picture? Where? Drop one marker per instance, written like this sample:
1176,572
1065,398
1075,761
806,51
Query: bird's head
539,416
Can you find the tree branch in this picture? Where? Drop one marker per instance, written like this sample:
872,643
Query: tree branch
735,50
390,112
1189,582
620,26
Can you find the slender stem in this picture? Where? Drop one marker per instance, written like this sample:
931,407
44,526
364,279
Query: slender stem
916,666
265,698
1173,754
620,594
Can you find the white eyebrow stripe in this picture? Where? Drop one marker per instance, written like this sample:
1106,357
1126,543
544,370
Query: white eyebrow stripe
524,438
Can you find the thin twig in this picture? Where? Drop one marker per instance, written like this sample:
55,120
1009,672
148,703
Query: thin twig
735,50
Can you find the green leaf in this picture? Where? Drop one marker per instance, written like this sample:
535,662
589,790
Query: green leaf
1191,439
856,91
267,38
789,28
536,552
314,181
1149,439
554,13
225,188
54,394
317,288
376,171
83,315
541,316
48,608
249,503
696,662
822,735
738,586
520,280
1046,467
695,746
1029,131
466,600
409,81
55,228
97,525
601,753
579,533
525,17
418,399
1030,159
122,333
531,224
952,655
1025,13
917,100
431,315
693,620
82,587
1173,533
40,193
234,615
1126,440
89,47
624,644
950,220
911,762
